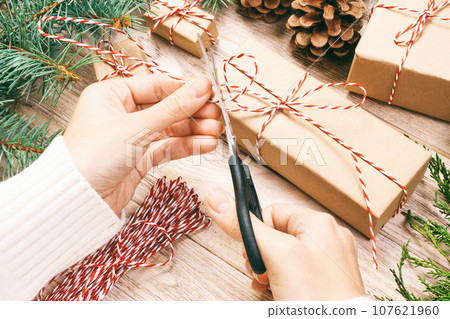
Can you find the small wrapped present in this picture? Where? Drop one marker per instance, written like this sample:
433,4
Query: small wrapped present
402,57
113,65
348,160
179,21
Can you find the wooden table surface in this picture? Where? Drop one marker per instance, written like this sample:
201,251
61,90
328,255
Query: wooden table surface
208,265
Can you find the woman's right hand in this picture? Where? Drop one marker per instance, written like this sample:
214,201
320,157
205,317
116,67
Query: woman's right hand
308,256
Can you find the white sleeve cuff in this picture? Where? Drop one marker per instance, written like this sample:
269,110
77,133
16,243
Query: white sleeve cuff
50,218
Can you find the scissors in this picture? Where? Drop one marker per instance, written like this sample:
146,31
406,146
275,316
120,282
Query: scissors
244,189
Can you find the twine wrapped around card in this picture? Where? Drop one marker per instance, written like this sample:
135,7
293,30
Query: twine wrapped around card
415,28
170,211
183,11
289,104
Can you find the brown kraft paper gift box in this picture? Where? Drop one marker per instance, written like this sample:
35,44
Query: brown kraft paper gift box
185,33
424,82
331,179
129,48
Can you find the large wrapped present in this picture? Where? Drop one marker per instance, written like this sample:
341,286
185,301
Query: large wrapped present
342,156
403,56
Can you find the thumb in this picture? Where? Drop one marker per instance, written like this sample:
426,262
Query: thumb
175,107
222,209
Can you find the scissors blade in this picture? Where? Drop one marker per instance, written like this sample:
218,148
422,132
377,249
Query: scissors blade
231,139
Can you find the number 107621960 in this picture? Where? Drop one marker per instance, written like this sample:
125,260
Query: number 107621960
407,310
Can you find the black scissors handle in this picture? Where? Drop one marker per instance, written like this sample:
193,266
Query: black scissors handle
246,202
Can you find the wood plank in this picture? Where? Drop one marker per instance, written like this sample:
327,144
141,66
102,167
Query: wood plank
193,274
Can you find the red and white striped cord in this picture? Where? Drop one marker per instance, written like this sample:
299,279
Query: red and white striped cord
151,64
184,11
290,104
170,211
416,29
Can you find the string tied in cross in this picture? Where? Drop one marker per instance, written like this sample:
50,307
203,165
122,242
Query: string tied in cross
274,103
118,63
415,29
184,11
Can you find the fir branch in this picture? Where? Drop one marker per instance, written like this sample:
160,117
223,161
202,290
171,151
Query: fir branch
215,5
31,64
22,140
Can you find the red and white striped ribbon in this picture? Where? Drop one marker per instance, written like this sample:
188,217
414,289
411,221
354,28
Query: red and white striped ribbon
184,11
170,211
151,64
416,29
289,104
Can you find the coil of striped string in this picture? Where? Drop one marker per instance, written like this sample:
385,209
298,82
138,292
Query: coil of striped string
151,64
183,11
415,28
170,211
290,104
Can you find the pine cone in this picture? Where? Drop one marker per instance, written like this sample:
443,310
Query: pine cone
321,24
267,10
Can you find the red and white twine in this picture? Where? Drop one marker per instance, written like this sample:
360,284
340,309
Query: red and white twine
184,11
151,64
289,104
416,29
170,211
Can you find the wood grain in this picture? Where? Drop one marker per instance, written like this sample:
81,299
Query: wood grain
208,265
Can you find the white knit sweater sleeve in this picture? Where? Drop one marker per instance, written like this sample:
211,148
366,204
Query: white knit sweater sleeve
50,217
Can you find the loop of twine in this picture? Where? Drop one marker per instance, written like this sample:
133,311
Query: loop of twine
415,28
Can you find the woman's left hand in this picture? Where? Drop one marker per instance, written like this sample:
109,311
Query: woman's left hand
123,127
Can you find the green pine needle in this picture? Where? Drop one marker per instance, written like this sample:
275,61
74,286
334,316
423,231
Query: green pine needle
215,5
31,64
22,140
437,285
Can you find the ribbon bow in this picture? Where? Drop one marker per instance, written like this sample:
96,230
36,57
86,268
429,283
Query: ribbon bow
289,104
184,11
416,29
117,62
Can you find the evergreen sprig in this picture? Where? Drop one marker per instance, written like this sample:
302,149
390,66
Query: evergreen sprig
437,286
31,64
22,140
215,5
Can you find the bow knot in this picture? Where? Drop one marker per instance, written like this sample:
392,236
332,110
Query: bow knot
185,11
416,29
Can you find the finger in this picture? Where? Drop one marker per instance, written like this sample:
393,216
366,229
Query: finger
258,286
262,279
175,148
138,90
189,127
178,106
208,111
272,244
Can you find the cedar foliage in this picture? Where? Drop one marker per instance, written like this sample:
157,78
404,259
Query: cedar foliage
437,284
